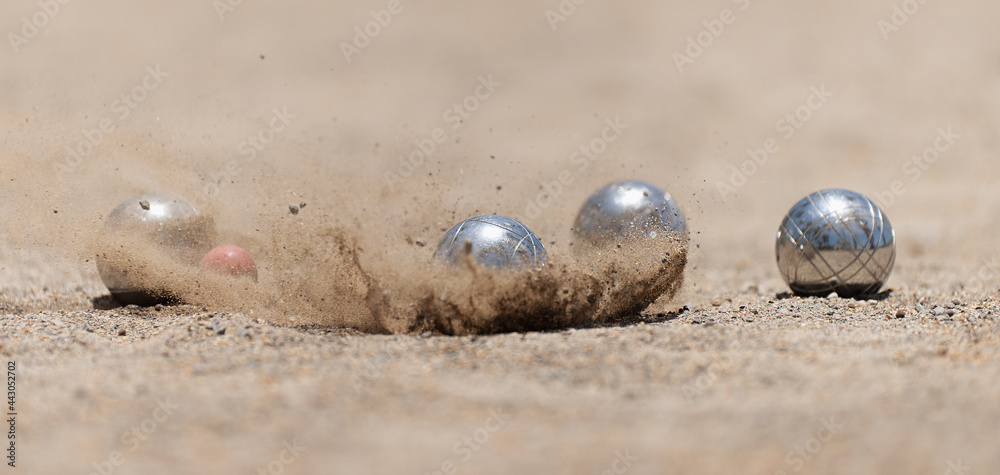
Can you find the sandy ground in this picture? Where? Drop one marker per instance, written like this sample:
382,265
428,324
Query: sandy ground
730,376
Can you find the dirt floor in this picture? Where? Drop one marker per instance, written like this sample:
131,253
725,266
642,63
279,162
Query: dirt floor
393,121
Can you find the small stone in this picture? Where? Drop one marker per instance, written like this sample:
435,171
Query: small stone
144,204
938,311
900,313
219,326
950,312
293,208
420,242
121,332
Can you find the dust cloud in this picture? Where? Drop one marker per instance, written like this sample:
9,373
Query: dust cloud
358,254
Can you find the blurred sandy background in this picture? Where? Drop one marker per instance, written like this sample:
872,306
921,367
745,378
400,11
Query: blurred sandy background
914,395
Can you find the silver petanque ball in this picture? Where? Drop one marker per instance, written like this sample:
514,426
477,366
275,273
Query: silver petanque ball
145,226
494,241
835,241
627,209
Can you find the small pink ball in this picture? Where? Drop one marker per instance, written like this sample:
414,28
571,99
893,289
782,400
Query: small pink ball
230,260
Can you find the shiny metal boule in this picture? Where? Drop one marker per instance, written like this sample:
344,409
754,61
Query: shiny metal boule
627,209
145,225
493,241
835,241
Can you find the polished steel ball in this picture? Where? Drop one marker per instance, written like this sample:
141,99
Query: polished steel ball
144,226
835,241
627,209
494,241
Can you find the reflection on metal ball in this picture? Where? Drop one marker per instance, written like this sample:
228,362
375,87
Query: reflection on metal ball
627,209
835,241
494,241
152,224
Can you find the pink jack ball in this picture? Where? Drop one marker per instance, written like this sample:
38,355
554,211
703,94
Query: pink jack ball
230,260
